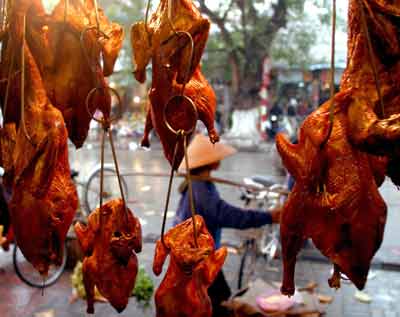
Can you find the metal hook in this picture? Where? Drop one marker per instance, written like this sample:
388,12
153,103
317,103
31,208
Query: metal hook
184,33
84,48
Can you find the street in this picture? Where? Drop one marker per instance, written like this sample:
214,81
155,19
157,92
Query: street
146,197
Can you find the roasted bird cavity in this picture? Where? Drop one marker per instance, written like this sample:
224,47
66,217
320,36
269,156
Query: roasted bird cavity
335,200
109,241
191,270
169,51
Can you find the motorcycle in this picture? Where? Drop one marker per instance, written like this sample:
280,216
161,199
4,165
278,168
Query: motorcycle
280,124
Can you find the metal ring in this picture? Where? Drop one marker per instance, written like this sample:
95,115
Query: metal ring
180,131
103,120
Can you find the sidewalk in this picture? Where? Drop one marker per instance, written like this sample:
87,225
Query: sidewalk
17,299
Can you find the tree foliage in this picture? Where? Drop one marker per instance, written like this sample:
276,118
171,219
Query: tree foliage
250,30
243,33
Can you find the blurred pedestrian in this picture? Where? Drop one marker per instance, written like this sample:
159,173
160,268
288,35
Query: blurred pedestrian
204,158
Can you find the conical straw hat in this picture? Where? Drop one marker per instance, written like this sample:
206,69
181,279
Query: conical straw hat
202,152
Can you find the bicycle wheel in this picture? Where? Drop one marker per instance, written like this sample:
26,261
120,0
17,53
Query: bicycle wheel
91,192
247,265
30,276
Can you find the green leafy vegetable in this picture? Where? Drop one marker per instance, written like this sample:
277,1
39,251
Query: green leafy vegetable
144,287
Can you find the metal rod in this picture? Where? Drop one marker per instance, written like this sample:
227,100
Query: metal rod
371,56
190,189
333,45
23,80
8,82
103,137
171,178
118,174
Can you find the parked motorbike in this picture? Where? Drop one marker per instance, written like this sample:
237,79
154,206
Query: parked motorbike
277,124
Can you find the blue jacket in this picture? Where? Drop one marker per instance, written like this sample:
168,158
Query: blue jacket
217,213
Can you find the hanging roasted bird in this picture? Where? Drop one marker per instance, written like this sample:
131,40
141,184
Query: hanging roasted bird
67,48
42,189
165,42
374,126
191,270
109,241
335,200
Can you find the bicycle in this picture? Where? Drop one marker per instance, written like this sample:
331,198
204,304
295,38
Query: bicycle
90,194
262,242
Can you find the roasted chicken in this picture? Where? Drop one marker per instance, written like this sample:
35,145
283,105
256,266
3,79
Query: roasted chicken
68,59
44,198
372,127
335,200
191,270
109,241
172,66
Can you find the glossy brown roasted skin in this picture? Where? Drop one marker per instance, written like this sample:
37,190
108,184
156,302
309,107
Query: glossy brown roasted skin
191,270
335,200
44,198
372,128
67,72
109,242
170,57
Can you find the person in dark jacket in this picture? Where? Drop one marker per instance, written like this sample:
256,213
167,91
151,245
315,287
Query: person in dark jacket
204,158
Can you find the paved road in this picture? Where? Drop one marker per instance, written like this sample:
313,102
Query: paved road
147,199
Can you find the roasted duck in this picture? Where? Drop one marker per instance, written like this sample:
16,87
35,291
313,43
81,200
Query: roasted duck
169,53
108,241
70,69
335,200
191,270
372,127
44,198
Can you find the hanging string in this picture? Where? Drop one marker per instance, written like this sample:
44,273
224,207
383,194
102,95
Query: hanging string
3,15
10,70
333,69
96,10
169,16
60,39
23,81
146,20
332,78
371,55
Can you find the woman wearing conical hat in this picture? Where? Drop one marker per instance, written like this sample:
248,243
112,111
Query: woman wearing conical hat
205,157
